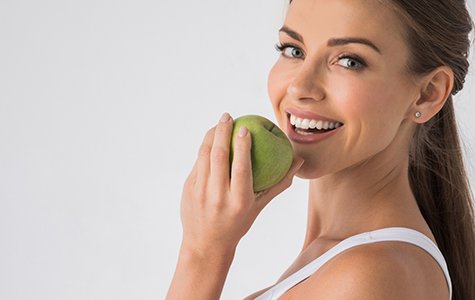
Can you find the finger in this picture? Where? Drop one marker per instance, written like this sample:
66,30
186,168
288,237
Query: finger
219,174
266,196
241,170
201,169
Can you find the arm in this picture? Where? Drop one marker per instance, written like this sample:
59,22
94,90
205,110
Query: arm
199,276
217,211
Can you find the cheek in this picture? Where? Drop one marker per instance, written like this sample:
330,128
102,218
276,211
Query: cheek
366,100
371,110
273,85
277,84
277,89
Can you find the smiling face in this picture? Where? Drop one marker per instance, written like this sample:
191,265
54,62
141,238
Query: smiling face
343,61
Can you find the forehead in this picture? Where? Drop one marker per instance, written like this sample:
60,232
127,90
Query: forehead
371,19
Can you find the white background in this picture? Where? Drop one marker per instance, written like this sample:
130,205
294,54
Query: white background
103,105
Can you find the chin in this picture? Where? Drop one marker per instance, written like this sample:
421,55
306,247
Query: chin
307,172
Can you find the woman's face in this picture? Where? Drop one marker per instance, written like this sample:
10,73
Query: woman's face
343,62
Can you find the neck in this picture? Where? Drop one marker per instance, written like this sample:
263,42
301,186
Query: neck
373,195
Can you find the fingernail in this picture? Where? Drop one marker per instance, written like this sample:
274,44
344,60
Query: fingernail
225,117
243,131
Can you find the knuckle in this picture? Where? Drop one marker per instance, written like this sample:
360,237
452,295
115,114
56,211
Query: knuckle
204,151
240,170
220,130
209,136
220,154
238,208
199,189
216,206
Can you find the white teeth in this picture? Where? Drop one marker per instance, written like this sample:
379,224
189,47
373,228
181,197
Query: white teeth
298,122
312,124
303,132
319,125
292,119
305,124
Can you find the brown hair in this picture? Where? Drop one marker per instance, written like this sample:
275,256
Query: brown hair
437,32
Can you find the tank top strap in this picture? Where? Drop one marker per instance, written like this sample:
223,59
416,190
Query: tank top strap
401,234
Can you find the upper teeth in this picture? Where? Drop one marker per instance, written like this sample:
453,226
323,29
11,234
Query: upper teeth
312,124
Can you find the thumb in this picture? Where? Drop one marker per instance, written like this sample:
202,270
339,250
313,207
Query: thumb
264,197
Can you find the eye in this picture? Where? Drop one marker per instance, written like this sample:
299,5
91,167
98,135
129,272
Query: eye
351,62
289,50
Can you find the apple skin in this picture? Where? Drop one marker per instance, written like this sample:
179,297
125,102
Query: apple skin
271,150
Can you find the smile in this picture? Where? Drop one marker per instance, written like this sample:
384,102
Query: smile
311,126
305,127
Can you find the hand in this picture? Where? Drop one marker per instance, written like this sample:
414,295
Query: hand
217,211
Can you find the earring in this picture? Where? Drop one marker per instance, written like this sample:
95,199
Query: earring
418,114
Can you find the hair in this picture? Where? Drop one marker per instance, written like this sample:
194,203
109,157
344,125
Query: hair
437,33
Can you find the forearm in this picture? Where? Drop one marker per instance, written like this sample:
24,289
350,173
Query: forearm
199,276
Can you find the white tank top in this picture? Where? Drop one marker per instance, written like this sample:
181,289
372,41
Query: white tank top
380,235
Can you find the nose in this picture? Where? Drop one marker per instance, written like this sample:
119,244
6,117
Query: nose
307,84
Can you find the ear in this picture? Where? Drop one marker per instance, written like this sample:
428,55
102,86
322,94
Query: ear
435,90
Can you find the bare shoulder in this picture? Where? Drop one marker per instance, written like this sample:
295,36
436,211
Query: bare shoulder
389,270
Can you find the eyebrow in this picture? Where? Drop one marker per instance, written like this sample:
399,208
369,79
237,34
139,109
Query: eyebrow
334,41
292,34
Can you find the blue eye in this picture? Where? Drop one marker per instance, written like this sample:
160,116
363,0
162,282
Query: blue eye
351,62
348,61
289,51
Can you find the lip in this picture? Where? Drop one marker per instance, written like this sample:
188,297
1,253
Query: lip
308,139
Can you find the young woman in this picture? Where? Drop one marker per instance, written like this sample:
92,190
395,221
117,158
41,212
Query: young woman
389,206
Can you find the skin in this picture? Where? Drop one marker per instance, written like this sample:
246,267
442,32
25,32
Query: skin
358,178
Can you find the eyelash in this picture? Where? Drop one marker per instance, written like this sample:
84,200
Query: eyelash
281,47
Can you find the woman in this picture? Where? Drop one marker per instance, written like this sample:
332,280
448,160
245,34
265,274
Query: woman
389,206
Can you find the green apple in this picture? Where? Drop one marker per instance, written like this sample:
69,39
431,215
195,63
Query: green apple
271,150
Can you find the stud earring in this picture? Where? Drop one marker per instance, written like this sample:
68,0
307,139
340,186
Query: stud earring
418,114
